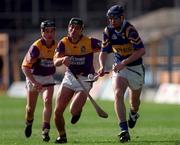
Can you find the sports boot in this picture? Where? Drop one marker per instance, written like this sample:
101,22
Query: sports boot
75,118
124,136
61,139
45,135
132,119
28,129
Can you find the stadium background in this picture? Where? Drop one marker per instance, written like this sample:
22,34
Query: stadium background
157,22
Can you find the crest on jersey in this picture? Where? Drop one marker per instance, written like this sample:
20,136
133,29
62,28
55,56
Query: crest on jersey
83,49
114,37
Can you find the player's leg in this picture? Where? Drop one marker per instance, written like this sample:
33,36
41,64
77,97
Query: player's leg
30,108
136,81
134,100
119,86
64,97
47,111
78,101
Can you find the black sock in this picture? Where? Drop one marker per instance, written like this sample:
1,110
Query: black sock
132,112
45,125
28,122
123,126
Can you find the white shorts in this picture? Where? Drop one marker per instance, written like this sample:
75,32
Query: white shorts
134,75
40,79
70,82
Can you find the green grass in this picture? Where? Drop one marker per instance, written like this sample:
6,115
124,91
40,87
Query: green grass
158,125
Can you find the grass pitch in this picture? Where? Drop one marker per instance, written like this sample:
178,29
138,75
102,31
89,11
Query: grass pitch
159,124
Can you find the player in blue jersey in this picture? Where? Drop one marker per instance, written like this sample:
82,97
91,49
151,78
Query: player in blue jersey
38,67
122,39
75,52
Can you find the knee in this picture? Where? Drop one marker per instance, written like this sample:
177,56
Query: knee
119,96
118,93
48,105
48,101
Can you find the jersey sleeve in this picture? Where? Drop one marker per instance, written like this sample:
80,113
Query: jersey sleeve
59,51
106,43
134,38
34,52
31,56
60,48
96,44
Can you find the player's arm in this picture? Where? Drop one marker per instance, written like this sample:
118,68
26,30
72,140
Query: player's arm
105,49
102,59
31,57
28,74
138,46
96,44
136,55
59,57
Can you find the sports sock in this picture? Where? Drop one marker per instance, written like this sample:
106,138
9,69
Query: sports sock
45,125
123,126
132,112
62,133
29,122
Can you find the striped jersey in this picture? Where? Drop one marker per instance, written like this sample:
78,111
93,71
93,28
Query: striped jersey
39,58
122,43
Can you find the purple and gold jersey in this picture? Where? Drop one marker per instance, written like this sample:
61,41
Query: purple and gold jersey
122,43
39,58
81,53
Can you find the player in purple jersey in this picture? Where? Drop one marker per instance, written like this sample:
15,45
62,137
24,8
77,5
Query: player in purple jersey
122,39
38,67
75,52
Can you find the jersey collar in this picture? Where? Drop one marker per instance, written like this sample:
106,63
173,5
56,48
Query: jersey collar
122,27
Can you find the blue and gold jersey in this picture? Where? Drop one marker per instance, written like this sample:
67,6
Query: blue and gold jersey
122,43
81,53
39,58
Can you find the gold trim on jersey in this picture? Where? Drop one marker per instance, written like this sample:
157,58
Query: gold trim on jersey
128,29
105,43
134,41
123,50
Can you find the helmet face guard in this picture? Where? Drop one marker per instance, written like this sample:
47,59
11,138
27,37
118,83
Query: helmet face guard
47,23
115,11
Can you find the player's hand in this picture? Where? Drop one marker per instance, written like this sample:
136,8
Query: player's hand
119,66
37,86
66,61
101,72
